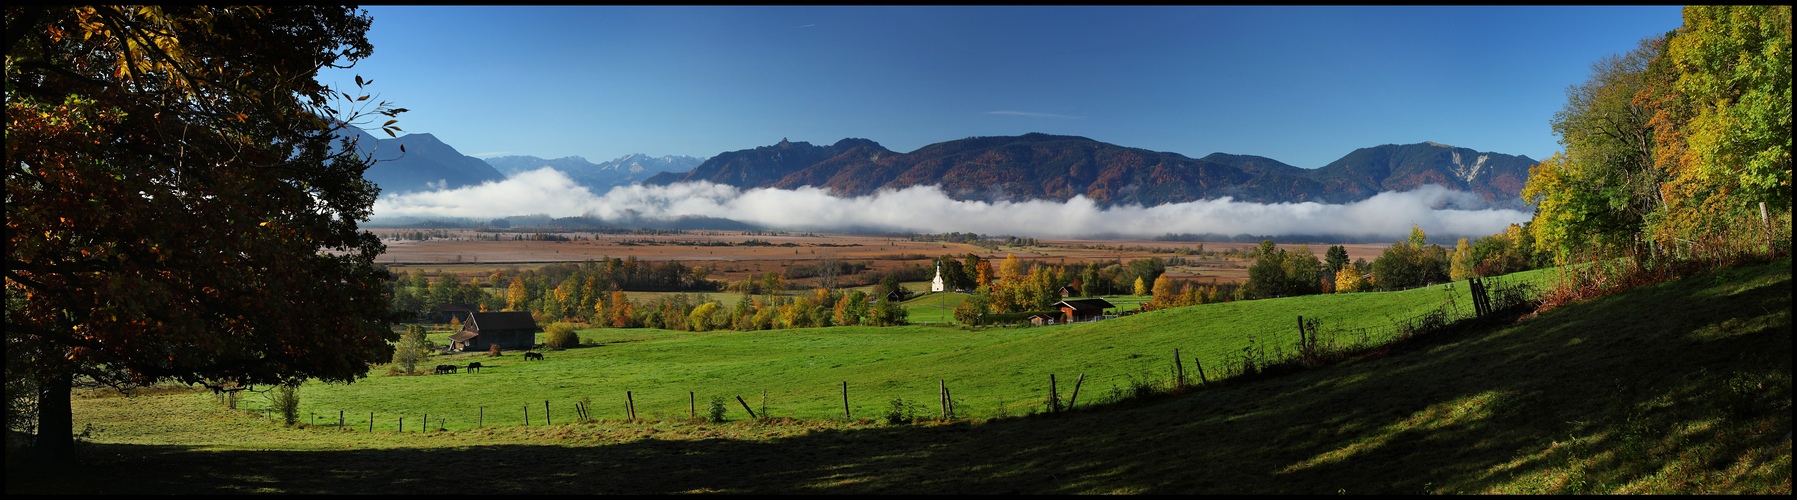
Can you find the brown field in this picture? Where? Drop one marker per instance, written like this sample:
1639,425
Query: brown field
464,253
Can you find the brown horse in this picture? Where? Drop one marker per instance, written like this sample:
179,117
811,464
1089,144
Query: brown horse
473,367
533,355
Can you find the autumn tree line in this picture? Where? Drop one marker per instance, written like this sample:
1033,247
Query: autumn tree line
1677,148
1280,272
1018,286
594,292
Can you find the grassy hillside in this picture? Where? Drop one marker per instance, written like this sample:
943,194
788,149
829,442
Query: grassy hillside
1675,388
991,372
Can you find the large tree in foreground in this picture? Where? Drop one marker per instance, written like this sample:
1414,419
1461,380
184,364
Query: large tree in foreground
1680,142
1596,195
1723,119
176,206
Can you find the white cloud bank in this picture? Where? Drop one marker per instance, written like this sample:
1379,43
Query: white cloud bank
927,209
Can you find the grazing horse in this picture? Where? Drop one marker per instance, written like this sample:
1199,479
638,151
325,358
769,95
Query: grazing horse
473,367
442,369
533,355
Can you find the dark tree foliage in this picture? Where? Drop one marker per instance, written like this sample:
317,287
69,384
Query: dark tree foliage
889,286
176,206
1278,272
955,275
1335,258
1147,269
1408,265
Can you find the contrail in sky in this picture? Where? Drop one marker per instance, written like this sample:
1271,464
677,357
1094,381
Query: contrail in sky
1030,114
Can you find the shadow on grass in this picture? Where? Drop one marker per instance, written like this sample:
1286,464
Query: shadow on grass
1678,388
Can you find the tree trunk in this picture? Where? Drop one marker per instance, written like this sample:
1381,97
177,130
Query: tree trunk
55,418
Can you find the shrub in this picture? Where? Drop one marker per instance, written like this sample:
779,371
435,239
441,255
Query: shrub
285,401
1142,388
901,412
974,309
1425,324
413,347
715,412
560,335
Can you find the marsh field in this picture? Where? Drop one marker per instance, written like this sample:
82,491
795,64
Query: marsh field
475,253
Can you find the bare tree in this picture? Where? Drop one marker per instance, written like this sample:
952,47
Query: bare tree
827,270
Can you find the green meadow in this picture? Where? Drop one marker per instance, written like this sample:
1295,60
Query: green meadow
989,372
1681,388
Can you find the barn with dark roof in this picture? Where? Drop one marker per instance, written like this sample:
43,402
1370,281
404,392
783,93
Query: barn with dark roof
1073,310
508,330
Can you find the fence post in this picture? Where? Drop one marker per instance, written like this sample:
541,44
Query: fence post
1076,384
371,422
1179,371
1485,296
950,397
1200,365
1472,288
745,404
402,424
482,418
339,419
942,395
1054,396
546,413
845,401
630,404
527,415
692,405
426,426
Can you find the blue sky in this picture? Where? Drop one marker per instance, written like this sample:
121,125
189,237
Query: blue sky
1303,85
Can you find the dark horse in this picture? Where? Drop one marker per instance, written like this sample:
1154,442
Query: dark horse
473,367
533,355
442,369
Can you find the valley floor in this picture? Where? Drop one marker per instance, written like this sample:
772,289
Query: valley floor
1677,388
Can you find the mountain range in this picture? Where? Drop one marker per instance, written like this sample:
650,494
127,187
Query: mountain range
599,177
1054,167
1028,167
425,164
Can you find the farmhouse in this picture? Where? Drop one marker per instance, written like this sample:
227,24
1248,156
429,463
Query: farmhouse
508,330
1082,309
